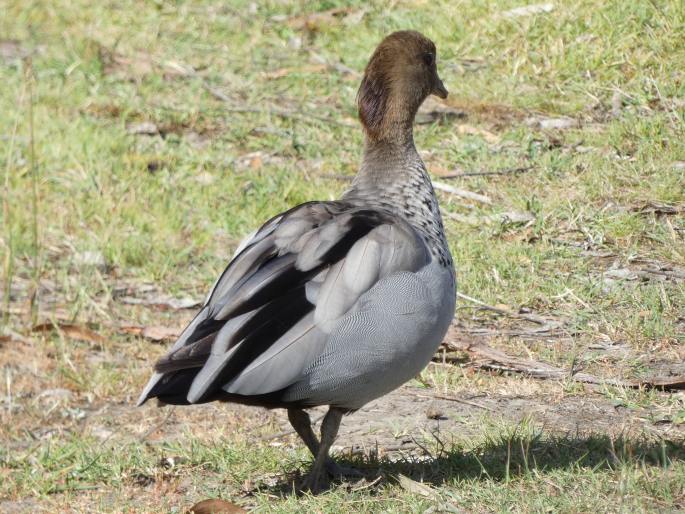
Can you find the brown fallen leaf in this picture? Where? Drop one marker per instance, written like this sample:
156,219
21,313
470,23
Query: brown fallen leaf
71,331
215,506
156,333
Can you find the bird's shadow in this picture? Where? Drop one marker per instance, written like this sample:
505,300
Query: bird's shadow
498,459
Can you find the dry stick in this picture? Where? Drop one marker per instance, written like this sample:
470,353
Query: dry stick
507,312
469,195
277,112
500,361
506,171
455,399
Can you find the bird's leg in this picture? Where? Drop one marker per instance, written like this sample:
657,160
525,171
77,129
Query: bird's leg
300,421
329,431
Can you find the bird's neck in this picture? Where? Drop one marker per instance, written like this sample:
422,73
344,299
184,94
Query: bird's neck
389,160
392,177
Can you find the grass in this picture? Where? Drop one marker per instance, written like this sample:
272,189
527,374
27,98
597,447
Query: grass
168,209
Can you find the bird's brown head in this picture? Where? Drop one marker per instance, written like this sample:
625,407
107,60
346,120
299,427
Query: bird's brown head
401,73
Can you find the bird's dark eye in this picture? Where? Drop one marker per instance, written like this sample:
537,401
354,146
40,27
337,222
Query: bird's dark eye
429,59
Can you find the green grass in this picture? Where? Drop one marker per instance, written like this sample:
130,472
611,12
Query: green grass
170,208
508,467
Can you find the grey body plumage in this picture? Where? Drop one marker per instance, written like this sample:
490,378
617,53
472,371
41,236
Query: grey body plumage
331,303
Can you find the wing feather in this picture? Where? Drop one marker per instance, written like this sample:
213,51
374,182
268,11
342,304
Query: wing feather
271,312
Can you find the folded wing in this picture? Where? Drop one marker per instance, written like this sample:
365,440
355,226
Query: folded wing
271,312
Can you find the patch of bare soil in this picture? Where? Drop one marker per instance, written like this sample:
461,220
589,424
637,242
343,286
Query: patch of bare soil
398,421
395,423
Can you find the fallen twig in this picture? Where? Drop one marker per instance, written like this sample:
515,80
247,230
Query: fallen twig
506,171
508,312
487,357
511,217
469,195
455,399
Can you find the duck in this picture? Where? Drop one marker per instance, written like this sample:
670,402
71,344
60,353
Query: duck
332,303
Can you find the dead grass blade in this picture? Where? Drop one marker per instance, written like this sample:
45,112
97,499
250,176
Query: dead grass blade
509,217
508,312
162,302
505,171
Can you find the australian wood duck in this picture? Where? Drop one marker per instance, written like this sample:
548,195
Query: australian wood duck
332,302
